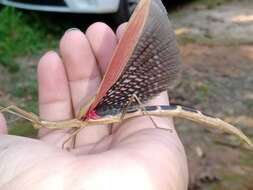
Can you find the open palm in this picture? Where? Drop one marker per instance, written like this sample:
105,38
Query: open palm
132,155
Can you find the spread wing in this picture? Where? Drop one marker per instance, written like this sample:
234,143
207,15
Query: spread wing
145,62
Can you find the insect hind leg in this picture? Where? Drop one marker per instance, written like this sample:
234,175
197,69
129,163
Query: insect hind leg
143,111
146,113
72,138
15,110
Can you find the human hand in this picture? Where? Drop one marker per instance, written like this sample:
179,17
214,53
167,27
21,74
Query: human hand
131,155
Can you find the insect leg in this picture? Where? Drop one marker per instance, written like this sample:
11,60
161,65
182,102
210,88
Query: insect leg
212,122
21,113
146,113
72,137
38,123
126,108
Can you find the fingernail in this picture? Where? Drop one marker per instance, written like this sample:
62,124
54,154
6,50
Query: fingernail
51,52
72,29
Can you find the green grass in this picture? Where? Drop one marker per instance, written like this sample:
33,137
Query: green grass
25,88
22,34
249,105
22,91
210,40
202,93
23,128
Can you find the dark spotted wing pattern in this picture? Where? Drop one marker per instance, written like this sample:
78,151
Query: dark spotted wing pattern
152,66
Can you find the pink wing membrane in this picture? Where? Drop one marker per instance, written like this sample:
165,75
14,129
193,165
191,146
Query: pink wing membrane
145,63
124,50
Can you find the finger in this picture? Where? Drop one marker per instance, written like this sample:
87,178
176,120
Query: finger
84,78
83,73
103,42
3,126
120,30
54,96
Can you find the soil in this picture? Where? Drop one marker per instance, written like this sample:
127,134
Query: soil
217,78
228,23
219,81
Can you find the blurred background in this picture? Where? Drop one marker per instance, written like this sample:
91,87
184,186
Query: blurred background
215,38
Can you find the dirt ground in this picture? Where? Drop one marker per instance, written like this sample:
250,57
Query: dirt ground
217,78
229,23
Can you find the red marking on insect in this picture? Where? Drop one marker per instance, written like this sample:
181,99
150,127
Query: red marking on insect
90,115
148,42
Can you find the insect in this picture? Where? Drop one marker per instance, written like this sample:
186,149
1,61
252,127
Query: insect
145,63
